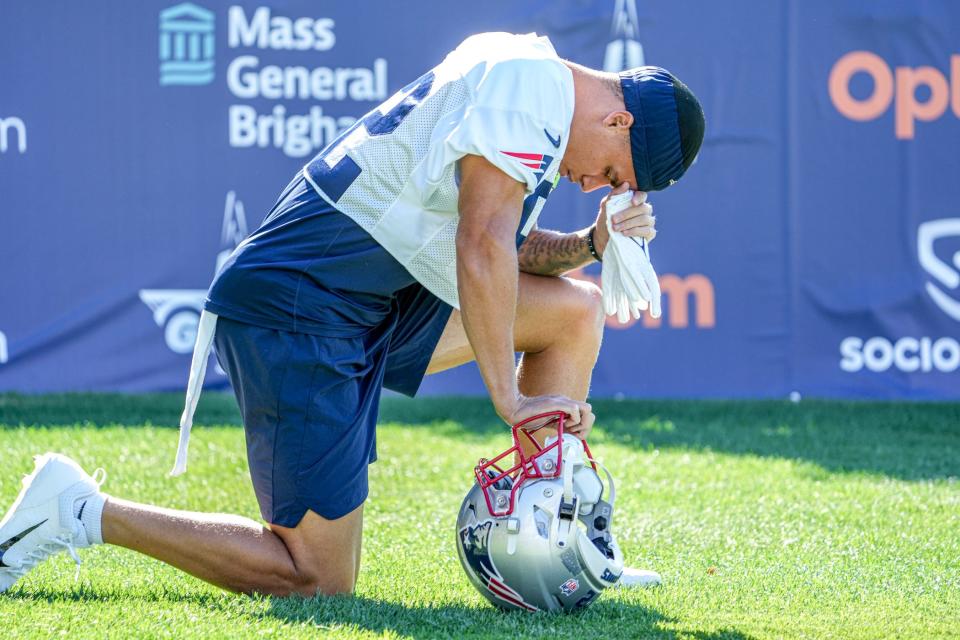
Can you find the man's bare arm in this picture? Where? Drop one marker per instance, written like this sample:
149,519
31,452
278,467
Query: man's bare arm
551,253
487,282
490,205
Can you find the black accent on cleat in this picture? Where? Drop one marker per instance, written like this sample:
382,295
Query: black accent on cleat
14,540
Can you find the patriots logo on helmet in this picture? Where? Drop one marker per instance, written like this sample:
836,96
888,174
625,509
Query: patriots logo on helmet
475,547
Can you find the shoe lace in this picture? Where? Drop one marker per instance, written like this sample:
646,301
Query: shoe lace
45,550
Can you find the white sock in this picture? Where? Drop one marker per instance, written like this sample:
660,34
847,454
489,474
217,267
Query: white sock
90,511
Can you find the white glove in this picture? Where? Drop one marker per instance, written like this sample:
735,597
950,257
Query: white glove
614,297
638,278
610,280
630,284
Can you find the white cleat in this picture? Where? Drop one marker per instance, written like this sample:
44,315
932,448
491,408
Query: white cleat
638,578
41,522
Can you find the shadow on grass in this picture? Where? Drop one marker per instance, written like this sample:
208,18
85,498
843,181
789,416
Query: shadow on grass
603,620
910,441
88,594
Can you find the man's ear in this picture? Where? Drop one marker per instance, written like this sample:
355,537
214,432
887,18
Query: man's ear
618,120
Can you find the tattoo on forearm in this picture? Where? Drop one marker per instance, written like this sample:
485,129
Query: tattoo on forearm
551,253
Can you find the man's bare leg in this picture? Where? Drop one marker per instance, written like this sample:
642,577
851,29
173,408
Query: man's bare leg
559,353
316,556
559,327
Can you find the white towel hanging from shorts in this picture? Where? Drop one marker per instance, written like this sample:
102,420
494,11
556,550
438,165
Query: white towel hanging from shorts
198,369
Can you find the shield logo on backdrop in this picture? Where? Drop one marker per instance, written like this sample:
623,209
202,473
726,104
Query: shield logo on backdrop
943,273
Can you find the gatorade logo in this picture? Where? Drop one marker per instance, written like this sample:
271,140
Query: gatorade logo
900,86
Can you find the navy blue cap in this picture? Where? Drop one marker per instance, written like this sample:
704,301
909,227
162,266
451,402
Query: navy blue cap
667,126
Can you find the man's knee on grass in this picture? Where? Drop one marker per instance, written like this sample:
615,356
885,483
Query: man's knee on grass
330,582
336,576
324,554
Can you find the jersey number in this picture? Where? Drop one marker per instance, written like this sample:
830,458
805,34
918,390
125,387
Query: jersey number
332,170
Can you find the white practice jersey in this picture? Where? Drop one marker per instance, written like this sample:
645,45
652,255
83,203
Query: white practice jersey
502,96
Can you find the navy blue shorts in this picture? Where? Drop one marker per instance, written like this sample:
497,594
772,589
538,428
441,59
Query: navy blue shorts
309,398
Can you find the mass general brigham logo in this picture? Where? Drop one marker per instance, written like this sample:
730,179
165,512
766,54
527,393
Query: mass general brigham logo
186,45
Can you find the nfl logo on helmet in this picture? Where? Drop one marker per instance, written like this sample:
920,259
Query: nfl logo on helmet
570,586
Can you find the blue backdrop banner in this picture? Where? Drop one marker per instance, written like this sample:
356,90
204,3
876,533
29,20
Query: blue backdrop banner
814,247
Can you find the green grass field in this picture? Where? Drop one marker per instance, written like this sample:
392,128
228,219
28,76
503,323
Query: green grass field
766,520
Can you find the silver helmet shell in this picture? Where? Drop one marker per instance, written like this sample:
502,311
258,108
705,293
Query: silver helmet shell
540,539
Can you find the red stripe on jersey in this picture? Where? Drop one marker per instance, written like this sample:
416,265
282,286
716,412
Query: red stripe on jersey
538,157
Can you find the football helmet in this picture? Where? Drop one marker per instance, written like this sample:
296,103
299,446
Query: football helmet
534,531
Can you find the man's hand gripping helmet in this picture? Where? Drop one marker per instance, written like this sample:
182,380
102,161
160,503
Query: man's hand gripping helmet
534,530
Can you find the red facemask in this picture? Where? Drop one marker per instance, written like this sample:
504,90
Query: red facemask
541,464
